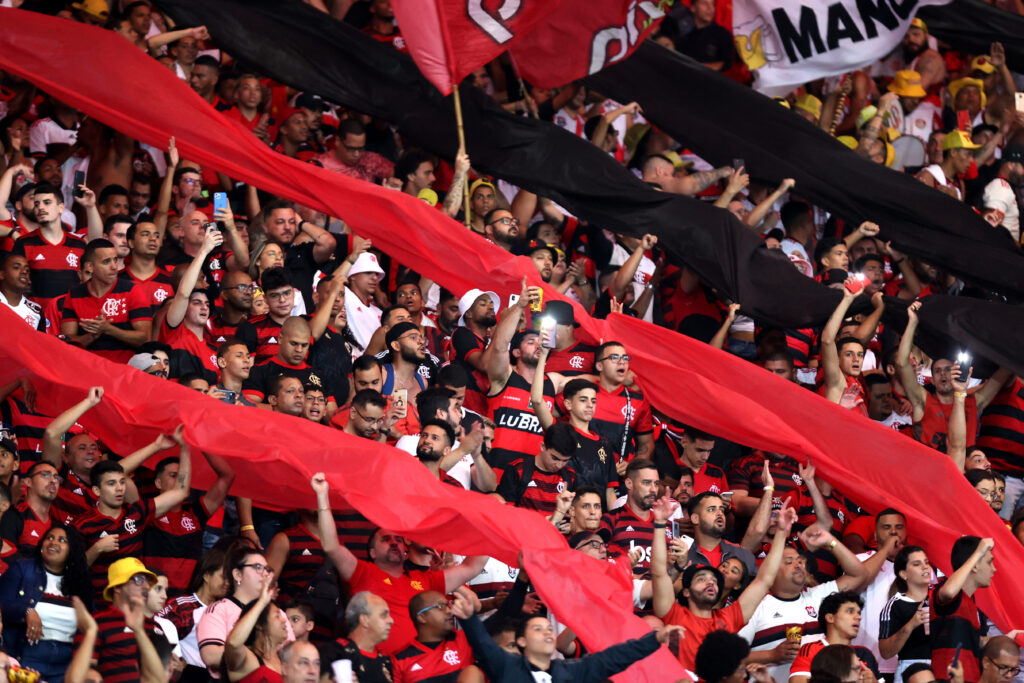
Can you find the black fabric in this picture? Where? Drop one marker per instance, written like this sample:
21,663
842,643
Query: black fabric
296,44
972,26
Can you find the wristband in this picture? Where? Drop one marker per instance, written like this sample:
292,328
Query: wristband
660,525
769,488
832,544
247,527
960,394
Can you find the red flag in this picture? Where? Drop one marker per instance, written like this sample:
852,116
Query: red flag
581,38
450,38
687,379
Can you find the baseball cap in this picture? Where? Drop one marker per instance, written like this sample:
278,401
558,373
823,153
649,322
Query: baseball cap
366,263
469,298
517,339
582,536
907,83
24,190
121,571
919,23
1013,153
143,361
97,8
537,245
958,139
810,104
428,195
398,330
309,101
8,445
481,182
981,63
562,312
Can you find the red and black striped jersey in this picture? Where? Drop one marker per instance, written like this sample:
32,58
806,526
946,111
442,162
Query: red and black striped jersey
74,497
184,612
629,531
1002,430
517,431
28,427
116,652
578,359
842,512
803,346
527,486
260,334
256,386
709,478
463,344
304,559
157,286
433,662
32,529
122,305
54,266
219,330
745,475
128,526
173,543
613,410
189,353
354,531
955,624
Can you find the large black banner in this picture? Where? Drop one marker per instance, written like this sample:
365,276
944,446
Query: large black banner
972,26
295,44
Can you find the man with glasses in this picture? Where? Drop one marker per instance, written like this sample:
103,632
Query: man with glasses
1000,662
350,156
502,228
314,403
127,589
385,575
144,242
622,414
439,652
261,332
30,519
236,293
368,415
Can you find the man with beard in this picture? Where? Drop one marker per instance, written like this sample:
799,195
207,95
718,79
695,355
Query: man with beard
436,440
543,257
702,586
931,411
1002,193
368,415
32,516
469,348
840,620
502,228
236,293
631,525
792,607
144,241
707,513
917,56
408,350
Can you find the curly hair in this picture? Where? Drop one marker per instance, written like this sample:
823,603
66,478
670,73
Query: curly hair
76,579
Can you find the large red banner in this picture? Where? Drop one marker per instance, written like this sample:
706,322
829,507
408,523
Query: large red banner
107,78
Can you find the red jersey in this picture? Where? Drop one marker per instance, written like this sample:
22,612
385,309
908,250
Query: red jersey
578,359
397,592
517,431
697,628
955,624
260,334
189,353
433,663
463,344
74,498
173,543
935,423
122,305
614,409
157,286
127,526
524,485
629,531
709,478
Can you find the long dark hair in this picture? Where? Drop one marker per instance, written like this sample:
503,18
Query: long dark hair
211,561
76,579
237,556
899,564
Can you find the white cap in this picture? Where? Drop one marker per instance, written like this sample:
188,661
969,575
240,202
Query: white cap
366,263
470,297
143,361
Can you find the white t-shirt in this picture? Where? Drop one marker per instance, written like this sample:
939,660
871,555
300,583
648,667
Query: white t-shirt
363,320
875,598
59,621
640,279
29,311
46,131
462,470
999,194
763,631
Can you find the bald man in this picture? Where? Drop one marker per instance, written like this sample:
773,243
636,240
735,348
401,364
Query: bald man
232,255
658,170
292,352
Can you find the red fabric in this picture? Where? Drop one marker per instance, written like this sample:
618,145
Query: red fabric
582,37
592,597
451,38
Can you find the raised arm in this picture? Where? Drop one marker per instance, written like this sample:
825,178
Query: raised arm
215,496
955,583
624,275
737,182
755,217
866,330
179,304
151,669
343,559
661,583
239,259
163,202
81,662
915,392
461,573
911,282
956,431
323,241
495,357
856,576
6,182
453,201
167,500
762,517
167,37
537,402
94,221
237,657
821,511
718,341
752,596
53,446
325,306
865,229
835,381
992,386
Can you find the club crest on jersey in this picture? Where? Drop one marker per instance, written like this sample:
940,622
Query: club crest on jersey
714,488
576,362
451,658
114,307
627,412
160,295
798,480
811,612
129,525
72,259
560,487
602,454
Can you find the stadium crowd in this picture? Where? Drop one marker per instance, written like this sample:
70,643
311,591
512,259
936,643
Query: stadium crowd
746,564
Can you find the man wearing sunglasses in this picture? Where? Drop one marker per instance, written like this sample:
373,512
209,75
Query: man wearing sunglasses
439,651
116,648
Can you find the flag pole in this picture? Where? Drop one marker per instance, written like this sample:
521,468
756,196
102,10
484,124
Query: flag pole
462,146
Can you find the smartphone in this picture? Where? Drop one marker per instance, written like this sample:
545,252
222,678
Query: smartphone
738,163
210,226
547,327
230,396
79,181
400,397
342,670
220,201
956,656
727,496
964,359
674,526
857,284
513,299
1019,100
963,119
